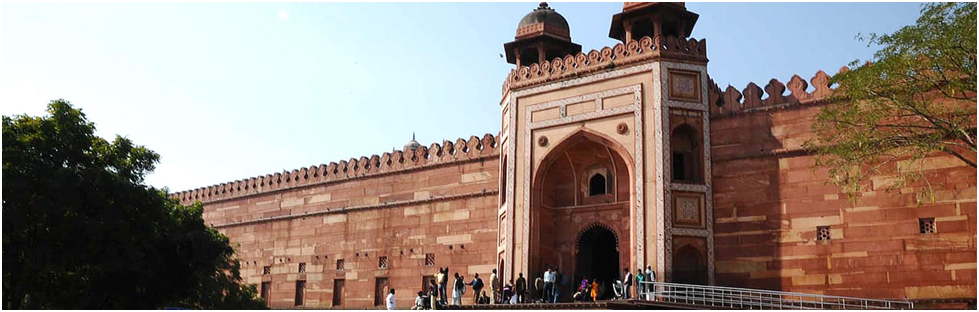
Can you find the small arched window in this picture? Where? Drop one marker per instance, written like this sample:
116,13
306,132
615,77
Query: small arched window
687,159
596,185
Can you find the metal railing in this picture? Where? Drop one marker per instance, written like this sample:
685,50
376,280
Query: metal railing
746,298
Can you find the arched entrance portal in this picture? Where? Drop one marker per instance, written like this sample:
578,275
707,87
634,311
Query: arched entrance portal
583,181
598,258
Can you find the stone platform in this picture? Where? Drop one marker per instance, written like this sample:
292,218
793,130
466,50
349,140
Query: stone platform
600,305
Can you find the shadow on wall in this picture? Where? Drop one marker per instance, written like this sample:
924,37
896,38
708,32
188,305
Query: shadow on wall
753,191
747,202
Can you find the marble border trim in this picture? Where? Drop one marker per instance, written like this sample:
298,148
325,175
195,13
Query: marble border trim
669,187
689,232
684,187
511,152
658,154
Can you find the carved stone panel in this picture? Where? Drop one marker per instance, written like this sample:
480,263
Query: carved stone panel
688,210
684,85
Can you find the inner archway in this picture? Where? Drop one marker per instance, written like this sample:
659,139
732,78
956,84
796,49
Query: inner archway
689,266
565,203
598,258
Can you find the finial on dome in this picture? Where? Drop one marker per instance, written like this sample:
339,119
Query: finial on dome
412,145
543,5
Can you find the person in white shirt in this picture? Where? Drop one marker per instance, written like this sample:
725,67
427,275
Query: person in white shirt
390,300
419,301
458,289
548,284
627,281
650,277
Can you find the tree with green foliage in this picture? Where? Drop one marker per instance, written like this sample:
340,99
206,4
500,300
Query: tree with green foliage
82,231
915,98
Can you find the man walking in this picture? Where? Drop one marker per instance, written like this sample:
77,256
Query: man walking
521,289
477,284
390,300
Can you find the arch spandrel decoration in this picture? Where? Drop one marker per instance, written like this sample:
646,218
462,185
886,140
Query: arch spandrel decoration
618,158
589,134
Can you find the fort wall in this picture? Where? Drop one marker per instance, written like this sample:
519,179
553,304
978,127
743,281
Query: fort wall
769,201
435,207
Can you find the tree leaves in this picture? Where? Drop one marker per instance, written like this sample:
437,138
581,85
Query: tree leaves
916,98
81,231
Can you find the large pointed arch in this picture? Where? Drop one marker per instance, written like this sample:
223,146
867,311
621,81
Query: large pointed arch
624,183
560,211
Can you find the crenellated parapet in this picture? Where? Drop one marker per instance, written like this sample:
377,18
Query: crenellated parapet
607,58
398,160
754,98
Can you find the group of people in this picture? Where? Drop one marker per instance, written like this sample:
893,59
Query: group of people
589,290
641,276
438,289
549,285
514,293
547,288
595,289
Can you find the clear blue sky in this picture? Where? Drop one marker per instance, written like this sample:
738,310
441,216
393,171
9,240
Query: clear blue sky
228,91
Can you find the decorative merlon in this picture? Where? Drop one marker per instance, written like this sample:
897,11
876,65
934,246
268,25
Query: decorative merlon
609,57
436,154
753,98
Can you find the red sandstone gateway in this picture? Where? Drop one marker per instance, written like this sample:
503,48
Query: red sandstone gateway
625,157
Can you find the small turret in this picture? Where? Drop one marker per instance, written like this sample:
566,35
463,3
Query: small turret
641,19
412,144
542,35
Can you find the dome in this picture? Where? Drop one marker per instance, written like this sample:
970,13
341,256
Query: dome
542,34
412,144
544,14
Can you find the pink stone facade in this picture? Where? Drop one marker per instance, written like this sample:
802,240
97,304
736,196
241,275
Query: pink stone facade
704,185
440,207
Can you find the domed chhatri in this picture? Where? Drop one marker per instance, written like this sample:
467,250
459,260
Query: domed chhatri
542,35
546,15
641,19
412,144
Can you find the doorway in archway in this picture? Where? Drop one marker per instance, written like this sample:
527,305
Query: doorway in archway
598,258
689,266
